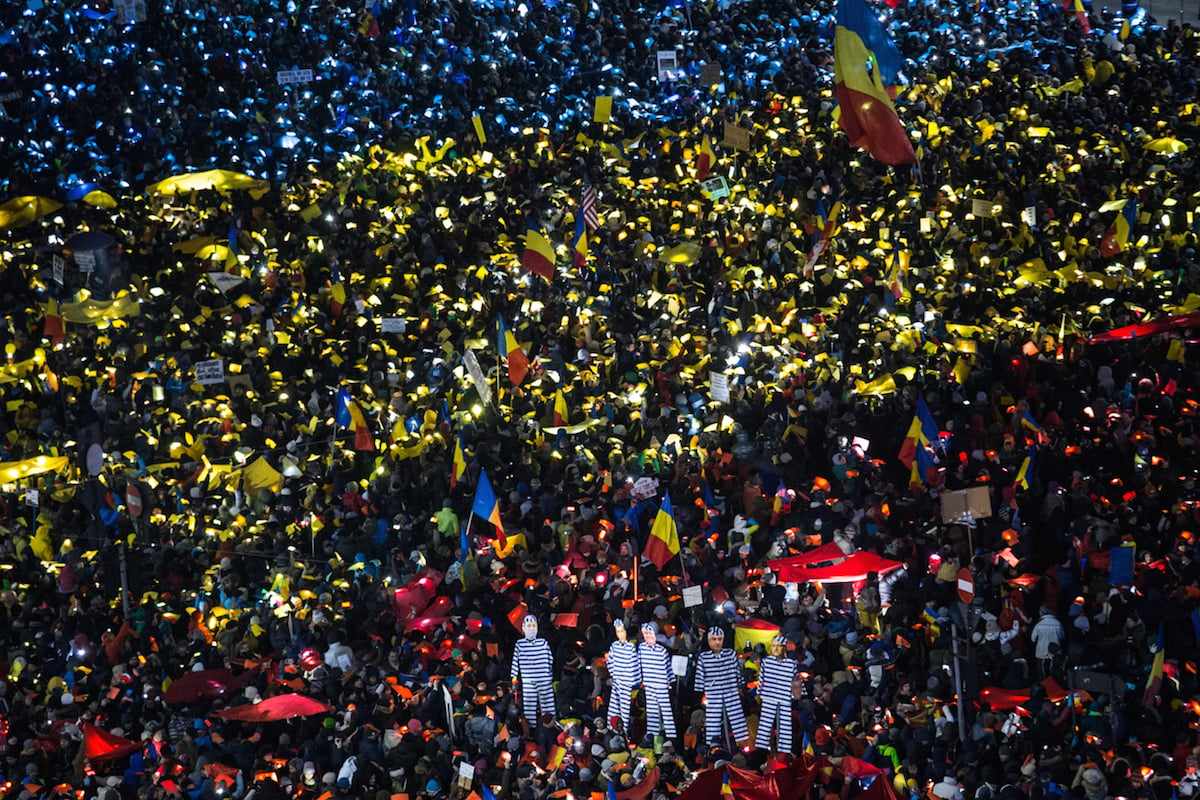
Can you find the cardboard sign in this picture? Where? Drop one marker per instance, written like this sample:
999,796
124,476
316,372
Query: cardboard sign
285,76
32,498
129,11
718,387
736,137
710,74
85,260
393,325
716,188
57,269
679,665
981,207
477,376
210,372
966,504
693,596
668,65
1029,215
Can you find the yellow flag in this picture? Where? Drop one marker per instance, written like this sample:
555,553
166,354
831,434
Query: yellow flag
477,121
603,110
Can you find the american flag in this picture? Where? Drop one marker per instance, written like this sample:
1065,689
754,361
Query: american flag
587,206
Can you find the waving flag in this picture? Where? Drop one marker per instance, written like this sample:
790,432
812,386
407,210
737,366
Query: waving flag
458,466
560,408
1116,238
518,362
865,64
487,507
706,159
588,206
663,544
539,253
579,250
1026,470
347,414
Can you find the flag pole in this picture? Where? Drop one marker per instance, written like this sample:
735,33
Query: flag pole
633,546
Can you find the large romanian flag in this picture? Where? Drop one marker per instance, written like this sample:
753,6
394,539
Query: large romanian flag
1116,238
663,544
539,253
865,64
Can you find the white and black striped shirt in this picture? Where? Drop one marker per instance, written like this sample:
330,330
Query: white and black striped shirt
717,674
775,676
533,661
623,665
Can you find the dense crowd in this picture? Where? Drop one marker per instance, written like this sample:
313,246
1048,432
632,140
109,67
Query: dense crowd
307,524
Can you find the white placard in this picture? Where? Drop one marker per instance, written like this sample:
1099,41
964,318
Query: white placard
32,498
210,372
286,76
679,665
85,260
393,325
129,11
1029,214
718,387
466,770
981,207
668,65
224,281
693,596
477,376
716,188
926,224
58,265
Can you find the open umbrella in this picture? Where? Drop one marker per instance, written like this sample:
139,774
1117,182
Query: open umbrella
222,180
23,210
206,683
89,240
281,706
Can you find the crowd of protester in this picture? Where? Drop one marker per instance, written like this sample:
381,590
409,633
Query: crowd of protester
300,553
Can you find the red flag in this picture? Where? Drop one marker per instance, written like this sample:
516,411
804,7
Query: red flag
100,745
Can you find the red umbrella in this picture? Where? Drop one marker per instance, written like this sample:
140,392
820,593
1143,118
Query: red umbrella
207,684
281,706
100,745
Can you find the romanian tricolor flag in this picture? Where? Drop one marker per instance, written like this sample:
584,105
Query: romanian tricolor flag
539,253
865,64
579,250
560,408
663,544
52,326
487,507
337,292
347,414
518,362
458,466
917,437
1080,12
706,159
726,788
1116,238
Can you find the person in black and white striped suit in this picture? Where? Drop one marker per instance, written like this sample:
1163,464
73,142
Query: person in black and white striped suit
657,677
719,678
776,675
533,663
625,670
